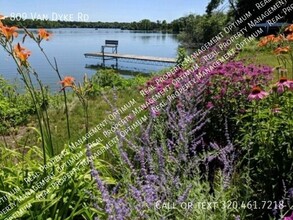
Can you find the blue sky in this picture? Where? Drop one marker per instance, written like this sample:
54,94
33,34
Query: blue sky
103,10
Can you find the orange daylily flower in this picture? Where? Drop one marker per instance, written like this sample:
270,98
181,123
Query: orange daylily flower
68,81
44,34
21,53
265,40
270,37
289,28
280,50
1,18
9,32
290,37
278,38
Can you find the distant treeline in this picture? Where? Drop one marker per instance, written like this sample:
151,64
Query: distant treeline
144,24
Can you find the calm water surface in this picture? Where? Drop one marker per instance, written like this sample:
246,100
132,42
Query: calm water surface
69,46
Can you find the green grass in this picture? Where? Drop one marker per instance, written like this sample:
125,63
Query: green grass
98,111
262,57
252,53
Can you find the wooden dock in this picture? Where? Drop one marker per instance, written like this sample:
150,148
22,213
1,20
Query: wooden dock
130,57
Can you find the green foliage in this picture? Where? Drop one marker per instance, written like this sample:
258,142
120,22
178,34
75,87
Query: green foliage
267,129
213,4
144,24
242,7
181,56
15,108
71,199
199,29
107,79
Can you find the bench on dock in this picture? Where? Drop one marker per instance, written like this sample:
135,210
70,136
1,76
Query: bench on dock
113,44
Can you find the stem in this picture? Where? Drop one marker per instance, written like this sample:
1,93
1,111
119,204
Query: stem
55,68
291,57
47,121
65,101
31,90
28,84
85,104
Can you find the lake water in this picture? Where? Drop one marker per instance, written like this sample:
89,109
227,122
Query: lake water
69,46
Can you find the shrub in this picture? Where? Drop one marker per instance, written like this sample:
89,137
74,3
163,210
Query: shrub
15,108
107,79
228,88
162,167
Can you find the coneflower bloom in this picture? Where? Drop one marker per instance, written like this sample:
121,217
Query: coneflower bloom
68,81
284,83
257,94
289,217
209,105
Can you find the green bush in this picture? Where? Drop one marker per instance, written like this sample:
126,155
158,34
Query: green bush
15,108
109,78
71,199
266,129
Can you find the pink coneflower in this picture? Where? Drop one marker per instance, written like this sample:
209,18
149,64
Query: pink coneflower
209,105
290,84
257,94
155,113
283,84
289,217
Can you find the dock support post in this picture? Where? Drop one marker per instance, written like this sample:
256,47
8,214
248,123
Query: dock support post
103,56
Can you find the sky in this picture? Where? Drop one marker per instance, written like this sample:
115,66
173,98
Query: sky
102,10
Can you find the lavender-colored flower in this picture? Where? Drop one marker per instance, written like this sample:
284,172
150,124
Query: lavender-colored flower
290,192
184,196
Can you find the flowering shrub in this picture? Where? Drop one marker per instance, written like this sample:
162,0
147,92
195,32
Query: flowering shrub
227,92
228,86
266,136
164,167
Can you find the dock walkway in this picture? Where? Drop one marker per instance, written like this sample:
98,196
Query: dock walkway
129,57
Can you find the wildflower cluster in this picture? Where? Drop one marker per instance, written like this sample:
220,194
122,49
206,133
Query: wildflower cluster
282,46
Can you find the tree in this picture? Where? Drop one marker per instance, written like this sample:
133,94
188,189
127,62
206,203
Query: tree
213,5
244,6
199,29
164,25
145,24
